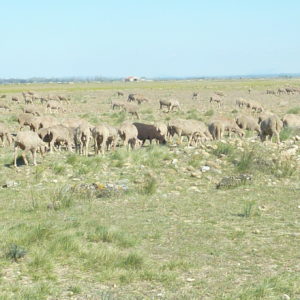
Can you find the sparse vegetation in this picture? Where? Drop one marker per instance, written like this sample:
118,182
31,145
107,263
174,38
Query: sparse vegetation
171,231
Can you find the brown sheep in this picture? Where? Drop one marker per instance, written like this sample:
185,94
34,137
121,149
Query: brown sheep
291,120
149,132
247,123
5,134
82,138
131,109
100,135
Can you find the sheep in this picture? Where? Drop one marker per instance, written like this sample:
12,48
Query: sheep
73,122
170,104
5,134
29,120
255,106
247,123
281,91
217,99
5,107
28,141
264,115
291,120
270,127
31,110
271,92
219,93
195,95
54,105
117,104
47,121
162,128
149,132
220,124
64,99
129,134
131,109
241,102
100,135
112,137
120,93
82,138
15,99
192,129
60,134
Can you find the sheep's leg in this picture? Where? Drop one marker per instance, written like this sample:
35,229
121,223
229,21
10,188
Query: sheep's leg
24,158
87,147
15,156
34,156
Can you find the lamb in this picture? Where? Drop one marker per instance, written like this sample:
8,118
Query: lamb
28,141
247,123
149,132
131,109
217,99
82,138
170,104
64,99
129,134
100,135
270,127
5,134
291,120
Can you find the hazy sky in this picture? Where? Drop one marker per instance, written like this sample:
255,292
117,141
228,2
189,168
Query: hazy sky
148,37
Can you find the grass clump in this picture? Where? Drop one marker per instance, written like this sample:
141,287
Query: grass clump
149,186
15,252
284,168
246,162
223,149
132,261
248,209
209,113
294,110
286,133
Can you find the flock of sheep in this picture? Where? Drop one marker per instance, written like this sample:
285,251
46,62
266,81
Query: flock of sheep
48,133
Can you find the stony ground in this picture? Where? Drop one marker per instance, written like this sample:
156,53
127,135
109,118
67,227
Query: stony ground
217,221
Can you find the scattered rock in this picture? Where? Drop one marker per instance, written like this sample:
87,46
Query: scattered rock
285,297
190,279
233,181
175,161
205,169
196,175
212,164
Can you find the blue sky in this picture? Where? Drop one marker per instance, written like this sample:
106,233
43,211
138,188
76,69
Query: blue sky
148,38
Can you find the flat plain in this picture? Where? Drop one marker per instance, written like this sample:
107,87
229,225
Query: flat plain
170,233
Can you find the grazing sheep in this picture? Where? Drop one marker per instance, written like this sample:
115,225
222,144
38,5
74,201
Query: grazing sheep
54,105
192,129
43,100
241,102
221,94
247,123
281,91
73,122
5,134
112,137
120,93
28,120
100,135
64,99
131,109
3,96
5,107
289,91
255,106
264,115
47,121
82,138
270,127
162,128
271,92
28,141
60,134
217,99
195,96
170,104
220,124
15,99
117,104
291,120
31,110
129,135
149,132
